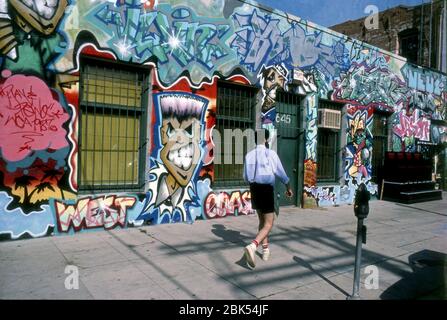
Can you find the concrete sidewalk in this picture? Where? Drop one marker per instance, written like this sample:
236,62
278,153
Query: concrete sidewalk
312,257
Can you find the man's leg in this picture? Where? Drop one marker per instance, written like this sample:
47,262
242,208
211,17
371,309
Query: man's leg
267,224
265,242
266,228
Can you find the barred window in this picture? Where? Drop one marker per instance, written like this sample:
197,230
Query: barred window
235,114
327,158
112,122
328,145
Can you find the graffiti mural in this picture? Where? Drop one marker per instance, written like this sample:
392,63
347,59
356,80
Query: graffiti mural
439,134
33,141
178,158
188,48
359,144
86,213
311,129
29,37
174,36
31,118
428,103
310,172
413,125
424,80
335,195
272,79
15,224
263,39
370,86
219,205
408,129
305,81
35,121
310,158
324,196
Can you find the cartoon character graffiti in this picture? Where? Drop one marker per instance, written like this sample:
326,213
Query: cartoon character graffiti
178,158
359,146
28,37
272,78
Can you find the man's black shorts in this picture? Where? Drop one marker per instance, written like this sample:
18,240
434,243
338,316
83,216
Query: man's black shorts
262,197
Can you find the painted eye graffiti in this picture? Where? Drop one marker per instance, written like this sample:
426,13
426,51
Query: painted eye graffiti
189,132
170,131
271,77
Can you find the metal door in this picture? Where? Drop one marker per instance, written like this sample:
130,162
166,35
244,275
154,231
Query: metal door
289,146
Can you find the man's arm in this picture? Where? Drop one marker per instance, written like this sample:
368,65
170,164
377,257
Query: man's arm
282,175
279,170
246,173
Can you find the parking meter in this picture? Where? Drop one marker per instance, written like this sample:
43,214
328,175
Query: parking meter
361,211
361,202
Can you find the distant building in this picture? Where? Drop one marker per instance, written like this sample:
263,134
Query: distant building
417,33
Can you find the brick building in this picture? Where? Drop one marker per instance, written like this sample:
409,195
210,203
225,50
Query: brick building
414,32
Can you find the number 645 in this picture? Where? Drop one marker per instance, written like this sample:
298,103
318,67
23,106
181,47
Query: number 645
286,118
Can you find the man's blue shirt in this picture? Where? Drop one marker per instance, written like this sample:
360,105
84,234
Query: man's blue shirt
262,165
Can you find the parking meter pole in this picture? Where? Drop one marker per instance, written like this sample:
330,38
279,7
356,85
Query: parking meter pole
358,261
361,210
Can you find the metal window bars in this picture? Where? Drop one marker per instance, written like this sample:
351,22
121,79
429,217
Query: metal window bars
112,117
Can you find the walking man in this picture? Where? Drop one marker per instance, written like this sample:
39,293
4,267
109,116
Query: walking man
261,167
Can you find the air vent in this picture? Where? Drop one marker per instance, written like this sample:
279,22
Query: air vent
328,118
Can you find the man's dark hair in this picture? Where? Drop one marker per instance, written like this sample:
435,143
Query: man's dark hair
260,134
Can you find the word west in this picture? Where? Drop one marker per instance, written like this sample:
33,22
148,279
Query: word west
222,204
107,212
413,125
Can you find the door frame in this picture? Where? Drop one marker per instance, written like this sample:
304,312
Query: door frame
300,147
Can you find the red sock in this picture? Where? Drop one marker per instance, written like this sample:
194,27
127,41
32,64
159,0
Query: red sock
255,242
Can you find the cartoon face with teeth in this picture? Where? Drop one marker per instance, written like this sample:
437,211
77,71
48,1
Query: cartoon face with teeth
181,135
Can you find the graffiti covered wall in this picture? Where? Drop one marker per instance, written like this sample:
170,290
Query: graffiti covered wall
188,48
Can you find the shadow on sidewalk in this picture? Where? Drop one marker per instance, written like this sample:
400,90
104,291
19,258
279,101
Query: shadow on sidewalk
227,235
428,280
327,250
234,237
308,266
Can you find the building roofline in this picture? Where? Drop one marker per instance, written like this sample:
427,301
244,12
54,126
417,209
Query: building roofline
334,33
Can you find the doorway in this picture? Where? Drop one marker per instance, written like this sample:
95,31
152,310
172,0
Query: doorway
290,142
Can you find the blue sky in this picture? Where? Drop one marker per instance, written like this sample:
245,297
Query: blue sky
330,12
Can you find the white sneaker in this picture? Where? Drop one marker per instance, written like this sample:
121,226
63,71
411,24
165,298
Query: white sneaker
265,254
249,252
